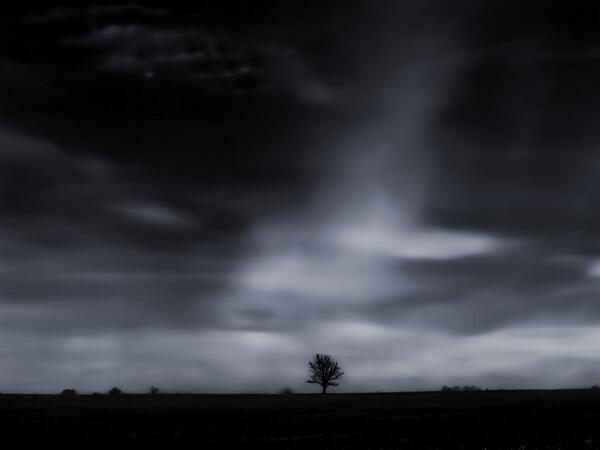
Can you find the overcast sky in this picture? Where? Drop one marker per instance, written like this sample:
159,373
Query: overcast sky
201,197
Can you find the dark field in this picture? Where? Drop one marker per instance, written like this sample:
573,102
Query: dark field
568,419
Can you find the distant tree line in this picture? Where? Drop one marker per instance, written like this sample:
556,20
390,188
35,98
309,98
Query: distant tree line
113,391
472,388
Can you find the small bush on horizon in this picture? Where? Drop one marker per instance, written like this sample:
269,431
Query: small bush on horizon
115,391
286,391
450,388
472,388
465,388
68,392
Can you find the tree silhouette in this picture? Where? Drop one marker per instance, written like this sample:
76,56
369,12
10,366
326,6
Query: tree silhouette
325,371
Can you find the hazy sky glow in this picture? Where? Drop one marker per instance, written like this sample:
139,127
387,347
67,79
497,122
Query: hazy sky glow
200,197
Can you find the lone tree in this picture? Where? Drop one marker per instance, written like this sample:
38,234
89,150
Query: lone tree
325,371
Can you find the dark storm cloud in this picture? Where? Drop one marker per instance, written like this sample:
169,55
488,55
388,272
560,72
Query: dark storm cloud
46,191
481,293
115,12
115,218
518,133
88,255
188,80
186,55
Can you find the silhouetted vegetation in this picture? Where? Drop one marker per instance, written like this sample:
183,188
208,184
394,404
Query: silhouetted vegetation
115,391
154,390
472,388
68,392
450,388
286,391
324,371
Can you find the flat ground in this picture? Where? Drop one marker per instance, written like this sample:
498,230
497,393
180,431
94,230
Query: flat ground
562,419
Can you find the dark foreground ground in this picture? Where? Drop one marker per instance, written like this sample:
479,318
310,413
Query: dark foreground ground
568,419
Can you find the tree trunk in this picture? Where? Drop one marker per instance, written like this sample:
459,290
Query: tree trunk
324,389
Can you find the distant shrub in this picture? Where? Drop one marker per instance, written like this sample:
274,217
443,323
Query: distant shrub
68,392
154,390
286,391
595,387
471,388
450,388
115,391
